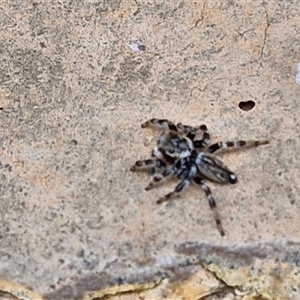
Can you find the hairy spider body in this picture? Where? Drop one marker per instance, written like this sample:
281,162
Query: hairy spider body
179,154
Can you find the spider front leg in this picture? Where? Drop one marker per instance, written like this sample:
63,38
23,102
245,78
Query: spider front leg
183,184
147,164
212,203
237,144
159,124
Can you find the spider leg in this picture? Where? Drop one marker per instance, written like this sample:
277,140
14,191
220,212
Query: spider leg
168,172
236,144
186,129
212,203
191,129
182,185
192,132
160,124
146,164
203,142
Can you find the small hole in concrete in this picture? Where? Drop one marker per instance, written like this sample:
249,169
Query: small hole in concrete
74,142
246,105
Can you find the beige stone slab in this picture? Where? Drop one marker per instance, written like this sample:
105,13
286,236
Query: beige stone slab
78,79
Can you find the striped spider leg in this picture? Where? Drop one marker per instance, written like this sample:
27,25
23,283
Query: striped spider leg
159,178
166,124
236,145
148,164
160,124
211,168
192,132
184,183
179,168
211,201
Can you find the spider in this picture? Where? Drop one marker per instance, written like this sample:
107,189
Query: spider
179,154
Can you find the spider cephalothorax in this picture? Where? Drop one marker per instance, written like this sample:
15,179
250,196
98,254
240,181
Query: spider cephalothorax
178,153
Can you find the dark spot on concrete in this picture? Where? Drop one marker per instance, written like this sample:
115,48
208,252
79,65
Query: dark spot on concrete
142,47
74,142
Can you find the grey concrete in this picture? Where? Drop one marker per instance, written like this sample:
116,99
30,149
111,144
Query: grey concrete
73,93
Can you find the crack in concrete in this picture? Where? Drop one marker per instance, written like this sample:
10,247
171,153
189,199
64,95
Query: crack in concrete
200,19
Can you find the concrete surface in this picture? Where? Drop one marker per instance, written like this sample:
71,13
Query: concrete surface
75,88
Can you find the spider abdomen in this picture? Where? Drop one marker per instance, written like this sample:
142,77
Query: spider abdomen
213,169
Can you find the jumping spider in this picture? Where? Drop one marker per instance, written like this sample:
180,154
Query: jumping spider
179,154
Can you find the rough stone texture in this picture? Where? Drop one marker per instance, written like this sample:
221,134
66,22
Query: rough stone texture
73,93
